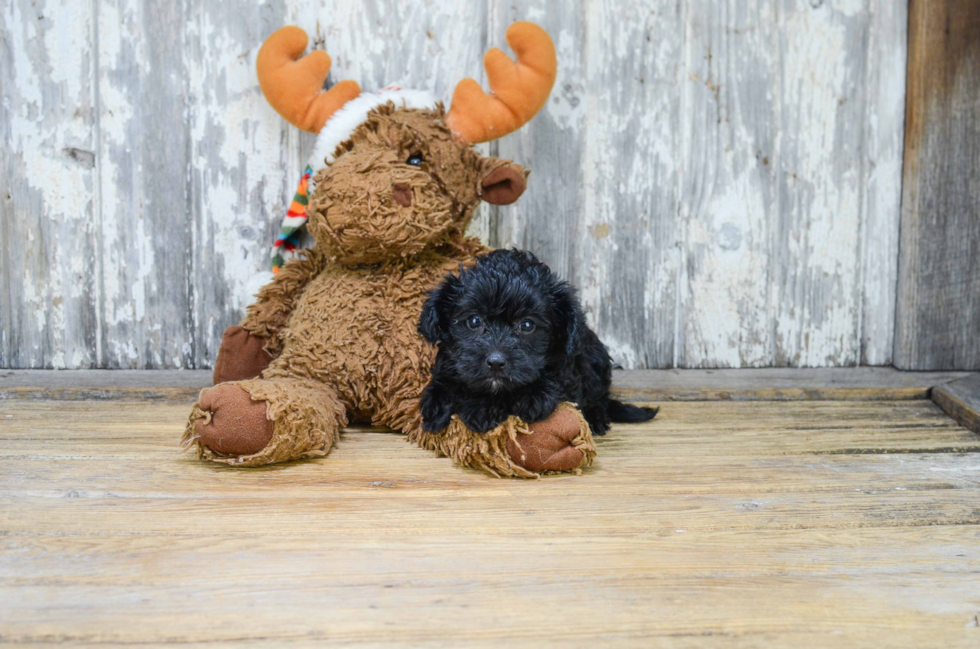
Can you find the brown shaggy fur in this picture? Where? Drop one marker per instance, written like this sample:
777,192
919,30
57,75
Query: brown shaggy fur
341,323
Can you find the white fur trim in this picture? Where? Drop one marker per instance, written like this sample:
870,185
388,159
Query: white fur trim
341,124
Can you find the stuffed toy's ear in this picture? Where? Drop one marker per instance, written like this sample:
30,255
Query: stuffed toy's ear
438,309
503,182
569,311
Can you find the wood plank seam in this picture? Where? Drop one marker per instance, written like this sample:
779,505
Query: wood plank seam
960,400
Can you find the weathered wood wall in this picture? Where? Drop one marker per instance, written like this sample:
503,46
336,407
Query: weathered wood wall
721,178
938,318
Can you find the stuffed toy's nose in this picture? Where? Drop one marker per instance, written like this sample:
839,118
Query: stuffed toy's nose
402,194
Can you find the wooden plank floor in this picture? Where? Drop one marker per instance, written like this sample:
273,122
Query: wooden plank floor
732,524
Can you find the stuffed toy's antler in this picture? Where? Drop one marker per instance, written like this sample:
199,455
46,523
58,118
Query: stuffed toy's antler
294,85
517,90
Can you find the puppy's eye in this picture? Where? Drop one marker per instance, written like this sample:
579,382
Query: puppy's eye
415,160
526,326
474,322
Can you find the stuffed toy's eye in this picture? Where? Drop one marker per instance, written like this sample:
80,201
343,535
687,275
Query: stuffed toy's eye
527,326
415,160
474,322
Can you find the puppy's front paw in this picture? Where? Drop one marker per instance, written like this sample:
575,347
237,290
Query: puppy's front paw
436,410
436,424
481,421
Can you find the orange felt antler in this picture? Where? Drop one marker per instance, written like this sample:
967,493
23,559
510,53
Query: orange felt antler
294,85
517,90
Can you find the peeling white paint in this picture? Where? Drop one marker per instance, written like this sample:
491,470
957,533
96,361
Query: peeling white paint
47,148
721,181
239,146
820,91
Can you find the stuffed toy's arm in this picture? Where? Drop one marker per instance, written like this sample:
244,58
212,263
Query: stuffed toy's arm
515,449
268,315
248,348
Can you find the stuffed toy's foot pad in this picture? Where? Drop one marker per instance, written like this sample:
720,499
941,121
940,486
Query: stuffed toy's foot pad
236,425
241,356
549,447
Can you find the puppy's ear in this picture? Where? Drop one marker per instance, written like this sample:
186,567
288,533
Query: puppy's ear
438,309
569,318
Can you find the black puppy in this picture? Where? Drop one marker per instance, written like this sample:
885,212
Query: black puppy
513,340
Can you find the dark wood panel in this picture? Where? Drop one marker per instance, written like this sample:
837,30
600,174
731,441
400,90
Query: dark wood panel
938,310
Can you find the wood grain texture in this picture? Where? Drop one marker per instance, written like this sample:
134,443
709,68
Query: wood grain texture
719,177
938,313
717,524
884,140
194,174
960,400
730,92
545,220
815,281
773,384
49,239
740,179
604,149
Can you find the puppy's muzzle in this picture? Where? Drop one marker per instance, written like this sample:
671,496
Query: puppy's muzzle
496,362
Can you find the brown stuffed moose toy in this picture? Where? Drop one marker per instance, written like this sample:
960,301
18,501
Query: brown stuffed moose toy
391,187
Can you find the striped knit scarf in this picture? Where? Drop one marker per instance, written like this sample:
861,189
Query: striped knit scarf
286,243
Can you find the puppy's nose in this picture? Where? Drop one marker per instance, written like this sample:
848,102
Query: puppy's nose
402,194
496,361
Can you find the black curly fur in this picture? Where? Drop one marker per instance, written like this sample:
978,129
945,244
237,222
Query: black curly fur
560,360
